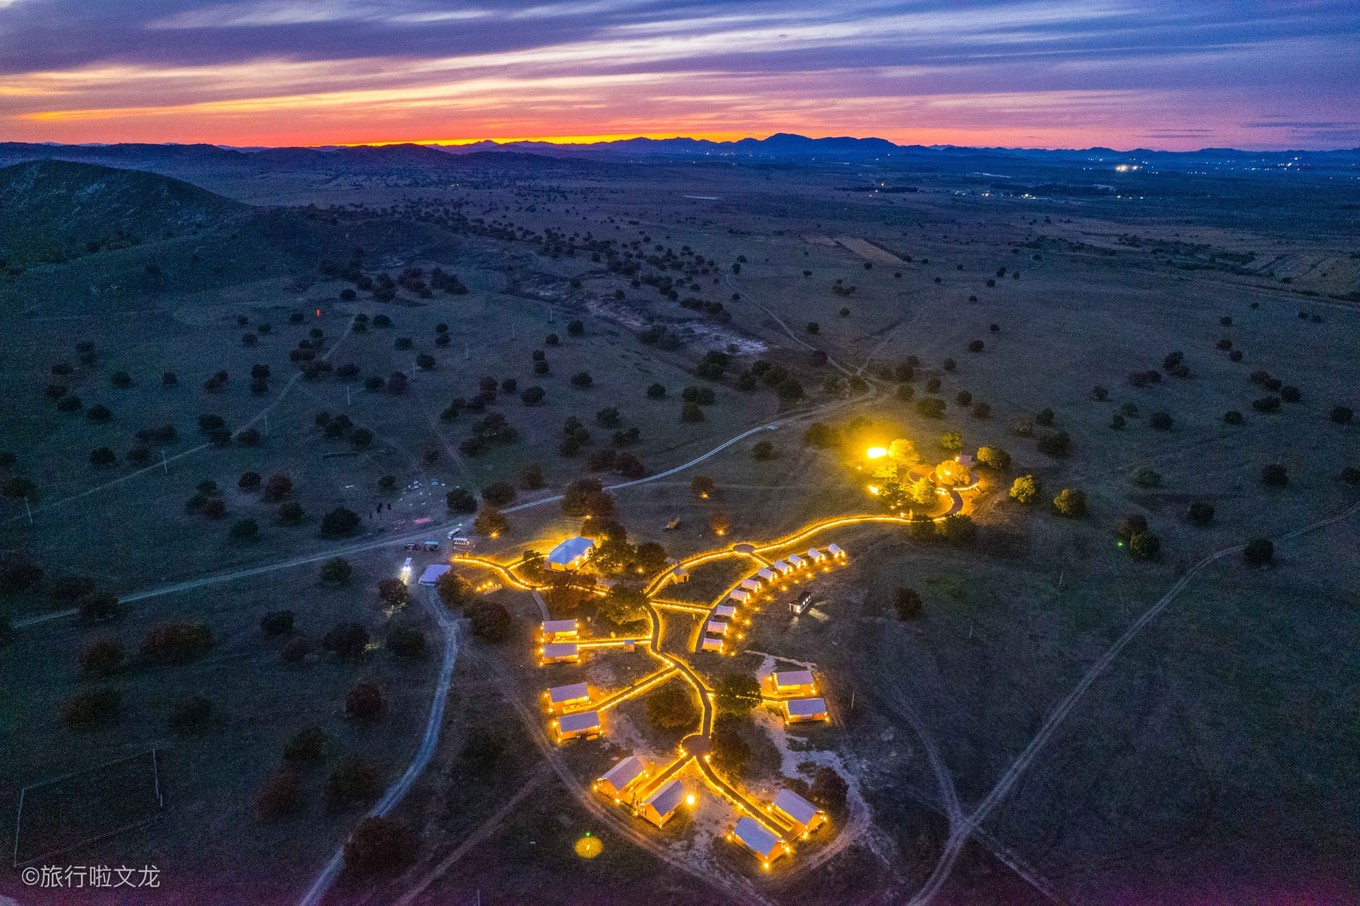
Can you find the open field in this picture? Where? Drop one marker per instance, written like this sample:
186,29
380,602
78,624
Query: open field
1214,757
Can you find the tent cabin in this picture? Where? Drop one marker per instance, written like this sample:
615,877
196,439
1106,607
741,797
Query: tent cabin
712,644
783,568
559,653
581,725
753,835
570,554
716,627
661,804
740,596
619,782
724,612
557,631
679,575
801,604
797,562
798,812
803,710
796,683
562,698
835,552
765,574
751,585
815,556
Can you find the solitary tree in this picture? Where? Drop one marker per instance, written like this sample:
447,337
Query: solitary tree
336,571
1071,503
907,602
1025,489
491,522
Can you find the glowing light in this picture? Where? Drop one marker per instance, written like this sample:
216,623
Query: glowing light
588,847
873,489
876,452
689,800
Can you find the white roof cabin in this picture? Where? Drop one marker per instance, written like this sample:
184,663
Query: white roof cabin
561,698
560,653
753,835
801,710
581,725
716,627
783,567
797,811
433,572
712,643
571,554
740,596
662,803
815,555
751,585
789,682
797,562
835,551
766,574
622,777
557,630
724,612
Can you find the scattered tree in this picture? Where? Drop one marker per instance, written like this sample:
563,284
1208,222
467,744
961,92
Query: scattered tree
1071,503
907,602
1025,489
1259,552
364,702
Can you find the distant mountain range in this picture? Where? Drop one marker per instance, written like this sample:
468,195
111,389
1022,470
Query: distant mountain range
779,147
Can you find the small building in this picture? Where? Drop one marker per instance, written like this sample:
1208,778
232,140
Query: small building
738,595
716,627
804,710
835,552
558,631
815,556
712,643
679,575
800,604
661,804
581,725
620,781
751,585
563,698
433,572
794,683
797,562
571,554
798,812
766,575
724,611
757,838
559,653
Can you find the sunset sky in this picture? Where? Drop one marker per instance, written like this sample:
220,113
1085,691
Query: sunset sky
1036,73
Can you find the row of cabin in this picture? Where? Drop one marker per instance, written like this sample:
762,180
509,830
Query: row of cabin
558,642
627,784
799,814
796,692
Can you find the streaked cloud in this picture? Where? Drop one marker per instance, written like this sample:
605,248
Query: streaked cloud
1037,72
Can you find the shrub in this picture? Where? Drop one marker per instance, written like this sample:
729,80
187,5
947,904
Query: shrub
296,651
1274,475
348,640
1117,422
1144,546
931,407
690,412
763,451
278,487
1146,478
246,529
459,500
306,746
93,708
355,781
364,701
290,512
98,413
336,571
101,657
731,753
1259,552
1291,394
277,622
499,493
532,396
490,621
194,713
280,796
958,529
490,522
672,707
1055,443
1266,404
177,643
453,589
975,346
736,692
994,458
829,790
1071,503
339,522
1201,512
248,481
1232,417
1160,421
907,603
1342,415
656,391
378,846
1025,489
406,642
582,379
100,608
951,441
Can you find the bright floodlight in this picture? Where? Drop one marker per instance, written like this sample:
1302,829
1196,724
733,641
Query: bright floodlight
876,452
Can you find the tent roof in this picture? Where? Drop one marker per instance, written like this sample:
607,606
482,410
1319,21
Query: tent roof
716,627
805,707
793,678
795,806
712,643
755,837
561,649
724,611
570,550
625,772
667,798
582,720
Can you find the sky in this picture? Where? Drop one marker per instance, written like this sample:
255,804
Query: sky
1171,74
